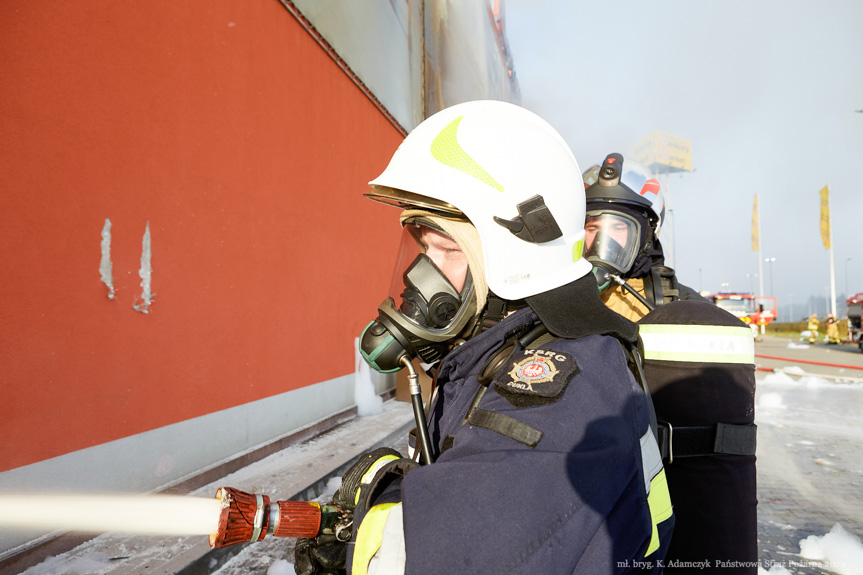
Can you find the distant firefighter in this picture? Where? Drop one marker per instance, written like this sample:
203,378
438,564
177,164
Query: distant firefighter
832,329
812,326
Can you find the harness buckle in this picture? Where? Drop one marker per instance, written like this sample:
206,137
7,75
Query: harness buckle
666,446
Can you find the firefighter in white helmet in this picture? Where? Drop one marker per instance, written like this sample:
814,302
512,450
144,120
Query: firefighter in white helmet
545,460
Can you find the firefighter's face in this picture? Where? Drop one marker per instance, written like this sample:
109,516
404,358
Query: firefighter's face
614,227
446,255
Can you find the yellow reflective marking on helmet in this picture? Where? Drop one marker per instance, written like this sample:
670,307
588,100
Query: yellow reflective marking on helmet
577,250
446,150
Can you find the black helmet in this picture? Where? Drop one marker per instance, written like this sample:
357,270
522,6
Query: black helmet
622,225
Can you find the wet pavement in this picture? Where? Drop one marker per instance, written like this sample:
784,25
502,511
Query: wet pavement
810,449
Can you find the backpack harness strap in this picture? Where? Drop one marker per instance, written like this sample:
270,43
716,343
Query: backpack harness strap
635,362
497,422
720,439
505,425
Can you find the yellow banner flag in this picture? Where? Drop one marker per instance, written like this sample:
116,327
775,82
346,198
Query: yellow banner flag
755,239
825,216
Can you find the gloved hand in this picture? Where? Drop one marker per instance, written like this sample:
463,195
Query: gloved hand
325,554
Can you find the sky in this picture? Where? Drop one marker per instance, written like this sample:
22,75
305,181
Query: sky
766,91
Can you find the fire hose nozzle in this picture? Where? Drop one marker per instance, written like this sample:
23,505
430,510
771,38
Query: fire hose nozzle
251,517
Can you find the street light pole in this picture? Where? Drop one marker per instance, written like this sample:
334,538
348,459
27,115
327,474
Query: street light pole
790,307
826,300
770,269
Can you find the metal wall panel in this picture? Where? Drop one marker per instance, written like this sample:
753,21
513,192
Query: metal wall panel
381,42
467,56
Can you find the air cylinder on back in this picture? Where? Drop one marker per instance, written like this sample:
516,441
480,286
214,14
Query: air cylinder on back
699,366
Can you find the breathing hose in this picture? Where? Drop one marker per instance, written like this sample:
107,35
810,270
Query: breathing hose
633,291
423,441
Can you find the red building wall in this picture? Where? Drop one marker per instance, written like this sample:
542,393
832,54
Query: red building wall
228,129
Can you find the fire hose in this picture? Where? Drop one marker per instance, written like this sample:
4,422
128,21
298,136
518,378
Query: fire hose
842,365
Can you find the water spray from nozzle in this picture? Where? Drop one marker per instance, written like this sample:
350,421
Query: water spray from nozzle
116,513
234,516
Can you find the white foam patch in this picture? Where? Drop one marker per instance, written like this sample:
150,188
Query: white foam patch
94,563
368,402
770,400
778,377
812,381
839,551
280,567
332,486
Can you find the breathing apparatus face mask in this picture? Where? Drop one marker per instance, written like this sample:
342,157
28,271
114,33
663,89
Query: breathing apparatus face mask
430,302
612,241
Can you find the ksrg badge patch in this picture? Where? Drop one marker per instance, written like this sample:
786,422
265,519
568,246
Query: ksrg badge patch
535,377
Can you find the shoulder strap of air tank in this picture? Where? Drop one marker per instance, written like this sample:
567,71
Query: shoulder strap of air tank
635,361
661,286
500,423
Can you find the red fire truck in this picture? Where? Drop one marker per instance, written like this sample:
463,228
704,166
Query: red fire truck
753,310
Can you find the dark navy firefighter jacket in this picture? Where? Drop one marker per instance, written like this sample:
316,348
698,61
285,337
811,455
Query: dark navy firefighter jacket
556,469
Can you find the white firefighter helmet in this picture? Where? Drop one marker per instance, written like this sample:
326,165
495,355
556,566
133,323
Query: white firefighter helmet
513,176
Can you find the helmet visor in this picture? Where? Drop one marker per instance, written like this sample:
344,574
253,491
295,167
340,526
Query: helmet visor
431,282
611,239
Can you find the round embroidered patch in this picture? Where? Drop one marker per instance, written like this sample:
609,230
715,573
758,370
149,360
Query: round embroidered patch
536,376
534,370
